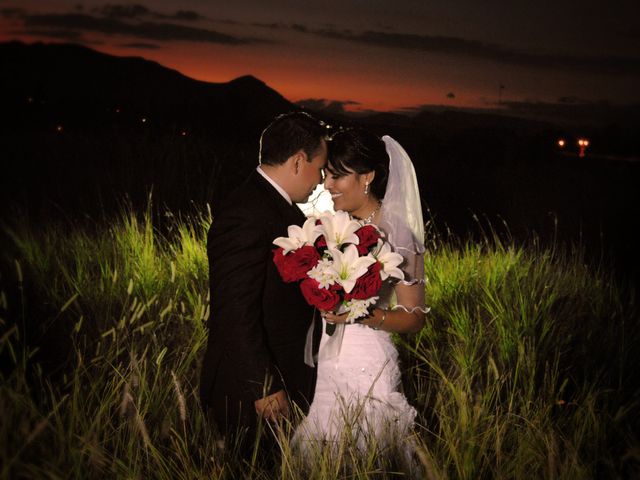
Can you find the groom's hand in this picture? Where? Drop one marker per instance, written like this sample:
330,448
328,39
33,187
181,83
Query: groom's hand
274,406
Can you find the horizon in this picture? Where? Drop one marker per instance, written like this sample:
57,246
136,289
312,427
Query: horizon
570,115
344,59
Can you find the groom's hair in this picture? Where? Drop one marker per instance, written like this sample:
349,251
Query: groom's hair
289,133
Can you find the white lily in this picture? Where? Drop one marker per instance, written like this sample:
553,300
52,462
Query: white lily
389,260
323,273
299,236
339,229
349,266
359,308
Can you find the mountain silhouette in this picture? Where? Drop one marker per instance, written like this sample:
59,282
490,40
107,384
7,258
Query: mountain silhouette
81,128
73,79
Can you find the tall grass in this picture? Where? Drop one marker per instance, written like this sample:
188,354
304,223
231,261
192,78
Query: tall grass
524,370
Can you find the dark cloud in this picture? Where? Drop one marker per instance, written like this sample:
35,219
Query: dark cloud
137,11
451,95
572,100
12,12
326,106
472,48
159,31
272,26
141,45
298,27
385,26
227,21
123,11
188,15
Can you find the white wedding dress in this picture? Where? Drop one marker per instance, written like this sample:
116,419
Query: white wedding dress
358,396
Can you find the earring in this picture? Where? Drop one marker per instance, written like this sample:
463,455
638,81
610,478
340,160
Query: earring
366,188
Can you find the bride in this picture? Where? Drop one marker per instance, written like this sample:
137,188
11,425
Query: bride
358,394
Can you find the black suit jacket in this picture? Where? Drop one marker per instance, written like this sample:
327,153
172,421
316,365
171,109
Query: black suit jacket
258,324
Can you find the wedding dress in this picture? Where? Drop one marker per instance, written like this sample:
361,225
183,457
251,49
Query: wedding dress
358,396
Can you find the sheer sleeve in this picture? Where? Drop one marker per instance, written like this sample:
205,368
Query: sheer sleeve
409,292
413,268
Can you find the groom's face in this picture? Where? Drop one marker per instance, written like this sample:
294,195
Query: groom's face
310,174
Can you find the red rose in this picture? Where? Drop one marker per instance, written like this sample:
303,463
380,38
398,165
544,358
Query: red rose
368,285
368,236
295,265
321,242
318,297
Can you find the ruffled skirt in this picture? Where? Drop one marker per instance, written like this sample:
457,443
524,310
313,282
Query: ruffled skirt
358,397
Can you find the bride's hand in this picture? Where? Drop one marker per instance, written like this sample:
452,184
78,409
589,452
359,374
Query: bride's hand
332,317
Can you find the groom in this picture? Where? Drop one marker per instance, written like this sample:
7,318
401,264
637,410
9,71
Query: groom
254,364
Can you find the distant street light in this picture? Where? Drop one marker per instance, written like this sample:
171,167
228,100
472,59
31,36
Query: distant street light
561,143
583,143
59,129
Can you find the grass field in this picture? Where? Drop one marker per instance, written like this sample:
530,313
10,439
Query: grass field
527,368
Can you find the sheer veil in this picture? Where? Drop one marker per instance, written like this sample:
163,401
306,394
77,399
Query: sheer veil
401,208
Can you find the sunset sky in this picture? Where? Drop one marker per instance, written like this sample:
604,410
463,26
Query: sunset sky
397,55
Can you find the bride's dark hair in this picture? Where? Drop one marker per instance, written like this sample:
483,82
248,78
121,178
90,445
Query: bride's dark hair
358,150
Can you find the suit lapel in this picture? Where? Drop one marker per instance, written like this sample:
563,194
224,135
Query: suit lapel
290,214
297,216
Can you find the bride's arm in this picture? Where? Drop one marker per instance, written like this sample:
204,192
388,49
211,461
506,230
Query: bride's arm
407,317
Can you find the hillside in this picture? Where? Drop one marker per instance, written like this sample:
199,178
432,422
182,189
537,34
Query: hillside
71,79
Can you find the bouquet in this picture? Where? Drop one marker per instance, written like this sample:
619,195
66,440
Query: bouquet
339,263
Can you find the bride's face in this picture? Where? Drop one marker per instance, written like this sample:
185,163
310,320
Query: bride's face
347,191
